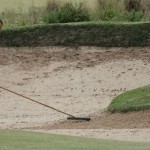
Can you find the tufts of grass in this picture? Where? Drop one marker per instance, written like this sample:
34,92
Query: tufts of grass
51,13
110,10
134,16
58,11
14,18
73,13
68,12
134,100
19,140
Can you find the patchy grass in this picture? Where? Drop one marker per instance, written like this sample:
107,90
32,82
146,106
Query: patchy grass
19,140
134,100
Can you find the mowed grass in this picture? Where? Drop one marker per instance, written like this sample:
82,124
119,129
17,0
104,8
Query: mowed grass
20,140
134,100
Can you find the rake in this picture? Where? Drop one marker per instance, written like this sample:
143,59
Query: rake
70,117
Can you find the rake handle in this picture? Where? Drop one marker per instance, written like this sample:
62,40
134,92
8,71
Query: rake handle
37,102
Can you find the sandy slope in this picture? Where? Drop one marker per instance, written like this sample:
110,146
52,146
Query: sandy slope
134,135
79,80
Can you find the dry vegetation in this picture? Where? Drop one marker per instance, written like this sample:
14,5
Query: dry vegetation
27,12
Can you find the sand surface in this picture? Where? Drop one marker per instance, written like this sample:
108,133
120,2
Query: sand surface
133,135
79,81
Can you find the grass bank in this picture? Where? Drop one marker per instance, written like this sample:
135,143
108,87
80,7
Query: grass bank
138,99
107,34
18,140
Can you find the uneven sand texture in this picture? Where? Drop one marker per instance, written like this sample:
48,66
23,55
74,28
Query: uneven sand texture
79,81
134,135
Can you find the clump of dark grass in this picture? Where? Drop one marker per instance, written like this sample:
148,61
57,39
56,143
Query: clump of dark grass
68,12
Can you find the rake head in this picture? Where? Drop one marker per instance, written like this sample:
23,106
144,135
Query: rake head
79,118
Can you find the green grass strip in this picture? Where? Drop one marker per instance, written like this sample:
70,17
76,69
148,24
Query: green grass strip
19,140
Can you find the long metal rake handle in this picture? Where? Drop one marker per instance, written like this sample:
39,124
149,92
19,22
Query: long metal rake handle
37,102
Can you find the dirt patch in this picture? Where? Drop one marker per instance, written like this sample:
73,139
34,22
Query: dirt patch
79,81
29,58
105,120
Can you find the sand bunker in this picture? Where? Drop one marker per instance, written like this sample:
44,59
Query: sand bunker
79,80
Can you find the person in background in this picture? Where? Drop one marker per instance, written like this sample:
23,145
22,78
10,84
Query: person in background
1,24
